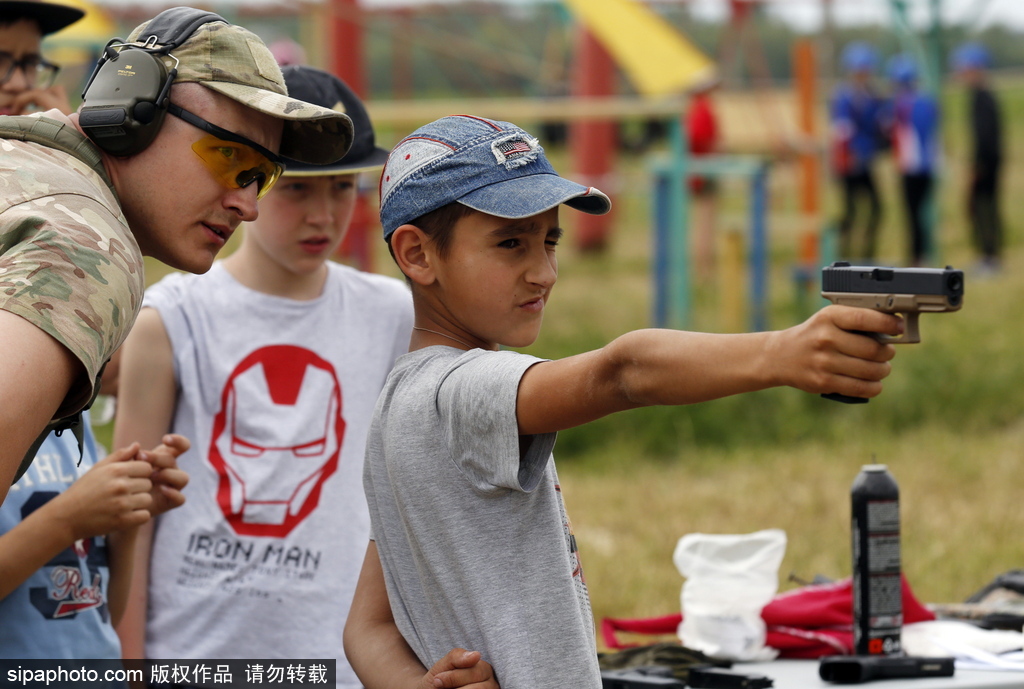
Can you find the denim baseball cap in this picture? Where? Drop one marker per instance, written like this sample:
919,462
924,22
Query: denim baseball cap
491,166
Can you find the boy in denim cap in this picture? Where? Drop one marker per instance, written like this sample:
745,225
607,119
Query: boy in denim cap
471,543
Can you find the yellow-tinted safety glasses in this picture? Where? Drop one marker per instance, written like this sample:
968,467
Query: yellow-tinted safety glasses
235,161
236,166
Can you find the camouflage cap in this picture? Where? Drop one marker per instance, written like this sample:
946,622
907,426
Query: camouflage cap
234,61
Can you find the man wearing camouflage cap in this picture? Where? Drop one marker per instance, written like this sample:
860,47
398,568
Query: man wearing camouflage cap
76,219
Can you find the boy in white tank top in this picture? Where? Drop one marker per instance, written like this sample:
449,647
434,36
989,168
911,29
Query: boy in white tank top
270,364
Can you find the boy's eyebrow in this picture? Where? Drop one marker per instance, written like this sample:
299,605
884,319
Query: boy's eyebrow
516,228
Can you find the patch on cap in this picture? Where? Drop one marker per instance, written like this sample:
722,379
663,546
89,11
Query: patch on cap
266,65
410,156
515,150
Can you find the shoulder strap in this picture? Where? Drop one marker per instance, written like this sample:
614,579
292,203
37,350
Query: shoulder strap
57,135
74,423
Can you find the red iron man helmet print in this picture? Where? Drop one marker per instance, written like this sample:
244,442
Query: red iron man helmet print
276,439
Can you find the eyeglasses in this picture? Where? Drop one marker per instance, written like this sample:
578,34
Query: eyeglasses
235,161
39,73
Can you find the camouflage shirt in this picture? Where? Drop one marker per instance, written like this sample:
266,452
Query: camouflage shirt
68,261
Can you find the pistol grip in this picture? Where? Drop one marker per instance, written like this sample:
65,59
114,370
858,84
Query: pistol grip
911,332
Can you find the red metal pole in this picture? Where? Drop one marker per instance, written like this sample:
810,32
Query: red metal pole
592,143
805,71
345,43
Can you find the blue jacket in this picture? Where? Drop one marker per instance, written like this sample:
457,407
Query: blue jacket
915,117
857,117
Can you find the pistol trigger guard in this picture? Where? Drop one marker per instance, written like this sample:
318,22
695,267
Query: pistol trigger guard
911,333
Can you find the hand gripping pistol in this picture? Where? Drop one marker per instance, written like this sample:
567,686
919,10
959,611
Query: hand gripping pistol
906,291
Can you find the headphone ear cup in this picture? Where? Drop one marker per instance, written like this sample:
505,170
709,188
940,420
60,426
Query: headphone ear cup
120,109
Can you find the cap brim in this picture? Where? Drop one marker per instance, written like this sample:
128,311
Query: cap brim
312,134
374,161
523,197
50,16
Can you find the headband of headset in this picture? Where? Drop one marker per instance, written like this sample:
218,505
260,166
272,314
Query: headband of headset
125,101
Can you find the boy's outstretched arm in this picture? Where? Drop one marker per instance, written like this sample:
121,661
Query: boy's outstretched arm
669,367
380,655
147,394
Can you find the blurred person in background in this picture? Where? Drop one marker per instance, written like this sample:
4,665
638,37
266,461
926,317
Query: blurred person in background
915,143
858,136
971,63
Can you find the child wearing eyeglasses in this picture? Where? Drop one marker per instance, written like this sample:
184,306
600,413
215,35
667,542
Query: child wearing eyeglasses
26,77
270,363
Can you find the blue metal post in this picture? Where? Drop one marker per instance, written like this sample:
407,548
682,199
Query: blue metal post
660,248
759,248
678,212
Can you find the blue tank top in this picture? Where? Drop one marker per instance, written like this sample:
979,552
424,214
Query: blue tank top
61,610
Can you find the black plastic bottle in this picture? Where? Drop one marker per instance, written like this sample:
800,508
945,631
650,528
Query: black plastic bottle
877,592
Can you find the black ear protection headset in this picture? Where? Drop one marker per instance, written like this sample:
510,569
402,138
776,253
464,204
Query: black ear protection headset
125,101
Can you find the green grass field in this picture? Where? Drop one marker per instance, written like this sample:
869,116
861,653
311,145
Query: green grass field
950,423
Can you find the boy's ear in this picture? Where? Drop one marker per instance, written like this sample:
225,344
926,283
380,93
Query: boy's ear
409,244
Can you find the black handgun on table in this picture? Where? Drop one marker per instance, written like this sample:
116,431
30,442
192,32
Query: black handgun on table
857,669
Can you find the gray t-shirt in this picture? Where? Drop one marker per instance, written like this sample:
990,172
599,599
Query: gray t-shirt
468,518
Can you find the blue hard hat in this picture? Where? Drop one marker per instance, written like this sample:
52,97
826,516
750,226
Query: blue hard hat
859,57
971,56
902,69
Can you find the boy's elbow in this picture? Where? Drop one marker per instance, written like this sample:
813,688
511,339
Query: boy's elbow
622,371
354,630
350,638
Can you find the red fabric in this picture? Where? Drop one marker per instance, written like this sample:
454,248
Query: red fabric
701,132
701,125
808,622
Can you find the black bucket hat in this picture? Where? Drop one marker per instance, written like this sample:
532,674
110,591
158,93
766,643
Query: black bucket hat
50,16
328,91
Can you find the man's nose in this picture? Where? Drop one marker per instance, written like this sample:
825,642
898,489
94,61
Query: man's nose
243,202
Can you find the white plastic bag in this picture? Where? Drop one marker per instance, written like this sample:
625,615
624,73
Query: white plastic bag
729,580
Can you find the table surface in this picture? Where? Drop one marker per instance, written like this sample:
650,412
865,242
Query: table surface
803,674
